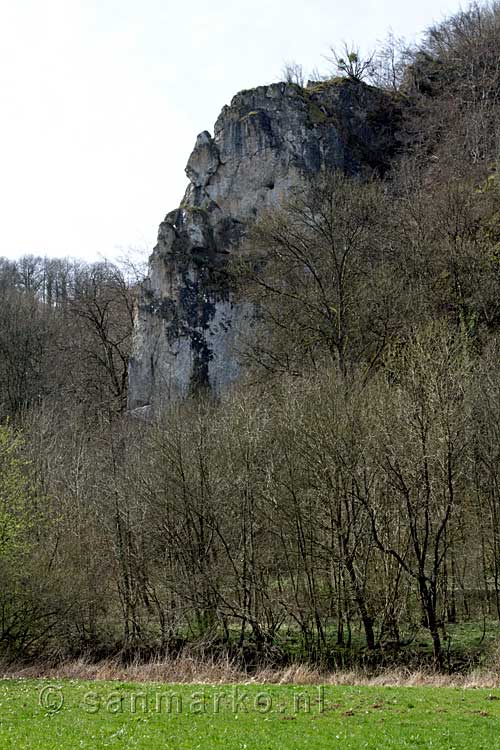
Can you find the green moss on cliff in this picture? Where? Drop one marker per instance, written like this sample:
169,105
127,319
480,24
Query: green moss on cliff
248,115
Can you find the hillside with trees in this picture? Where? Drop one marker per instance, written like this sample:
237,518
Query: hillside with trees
340,505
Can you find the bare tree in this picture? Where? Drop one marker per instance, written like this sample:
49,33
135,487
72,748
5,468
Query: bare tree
351,63
423,450
308,264
293,72
390,63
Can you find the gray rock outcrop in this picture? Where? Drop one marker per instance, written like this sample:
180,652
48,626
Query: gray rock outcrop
269,140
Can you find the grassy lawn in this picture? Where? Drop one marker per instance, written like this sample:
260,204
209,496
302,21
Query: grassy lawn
67,715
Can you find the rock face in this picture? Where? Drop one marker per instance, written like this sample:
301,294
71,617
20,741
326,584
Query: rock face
266,143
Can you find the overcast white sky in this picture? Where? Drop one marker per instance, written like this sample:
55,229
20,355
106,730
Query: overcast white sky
101,101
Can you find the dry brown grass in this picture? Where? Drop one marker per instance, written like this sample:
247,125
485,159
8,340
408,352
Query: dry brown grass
187,670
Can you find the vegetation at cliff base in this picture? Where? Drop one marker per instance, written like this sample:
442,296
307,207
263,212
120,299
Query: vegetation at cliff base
340,505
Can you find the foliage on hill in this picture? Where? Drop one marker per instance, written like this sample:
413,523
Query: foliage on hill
344,499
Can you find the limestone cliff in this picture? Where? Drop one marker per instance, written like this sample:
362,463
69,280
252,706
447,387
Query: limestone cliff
267,141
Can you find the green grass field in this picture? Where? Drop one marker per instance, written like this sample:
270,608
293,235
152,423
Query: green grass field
68,715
